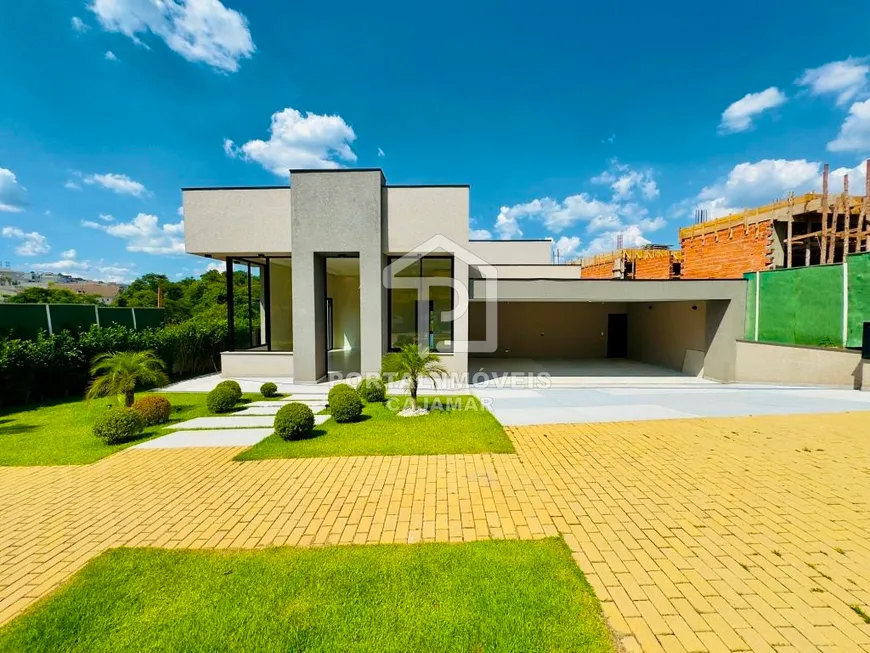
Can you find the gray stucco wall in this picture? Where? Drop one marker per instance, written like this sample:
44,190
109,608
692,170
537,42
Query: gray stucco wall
514,252
725,325
335,213
761,362
237,221
413,215
571,290
548,330
660,333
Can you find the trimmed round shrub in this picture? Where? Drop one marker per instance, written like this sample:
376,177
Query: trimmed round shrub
268,389
372,390
233,386
294,421
119,425
153,409
345,404
221,400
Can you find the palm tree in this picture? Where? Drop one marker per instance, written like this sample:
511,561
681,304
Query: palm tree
118,373
413,363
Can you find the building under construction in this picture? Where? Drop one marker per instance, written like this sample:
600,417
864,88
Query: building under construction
650,262
799,231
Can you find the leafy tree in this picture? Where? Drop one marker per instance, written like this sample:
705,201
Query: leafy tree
118,373
188,298
413,363
52,295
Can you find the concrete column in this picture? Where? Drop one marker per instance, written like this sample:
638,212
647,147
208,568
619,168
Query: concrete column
309,317
865,375
725,326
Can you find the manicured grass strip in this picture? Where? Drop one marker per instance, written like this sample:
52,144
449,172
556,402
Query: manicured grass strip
467,429
60,432
481,596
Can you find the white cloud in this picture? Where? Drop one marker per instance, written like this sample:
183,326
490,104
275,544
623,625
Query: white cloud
632,237
855,131
845,79
480,234
96,270
566,248
144,233
199,30
110,56
297,141
180,211
556,216
739,115
12,194
117,183
754,184
32,243
72,185
106,217
78,25
381,153
624,181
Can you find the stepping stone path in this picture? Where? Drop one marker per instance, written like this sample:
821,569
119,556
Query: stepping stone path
315,402
237,422
242,429
208,438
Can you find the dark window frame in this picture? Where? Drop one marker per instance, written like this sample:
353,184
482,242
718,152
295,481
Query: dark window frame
263,262
393,259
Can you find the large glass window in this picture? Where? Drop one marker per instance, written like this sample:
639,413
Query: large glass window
259,306
247,294
417,320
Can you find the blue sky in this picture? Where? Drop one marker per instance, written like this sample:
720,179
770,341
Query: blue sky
572,122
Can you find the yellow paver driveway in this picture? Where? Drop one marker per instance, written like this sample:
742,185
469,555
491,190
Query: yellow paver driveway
746,534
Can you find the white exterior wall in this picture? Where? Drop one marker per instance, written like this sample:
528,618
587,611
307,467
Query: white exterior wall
256,364
237,221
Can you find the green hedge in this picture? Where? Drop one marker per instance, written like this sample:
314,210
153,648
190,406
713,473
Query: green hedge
57,366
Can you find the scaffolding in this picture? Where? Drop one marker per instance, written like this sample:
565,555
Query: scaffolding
810,229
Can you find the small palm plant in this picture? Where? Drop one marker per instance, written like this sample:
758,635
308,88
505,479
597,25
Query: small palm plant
413,363
118,373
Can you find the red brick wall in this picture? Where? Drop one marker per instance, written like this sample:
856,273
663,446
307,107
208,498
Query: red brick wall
599,271
653,268
728,253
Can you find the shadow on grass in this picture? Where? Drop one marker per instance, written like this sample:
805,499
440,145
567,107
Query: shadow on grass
36,405
316,433
10,427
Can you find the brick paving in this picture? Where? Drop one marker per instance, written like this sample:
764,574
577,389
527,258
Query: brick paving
744,534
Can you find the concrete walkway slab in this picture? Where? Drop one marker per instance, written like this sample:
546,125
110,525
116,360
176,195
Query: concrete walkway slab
273,410
234,422
638,402
208,438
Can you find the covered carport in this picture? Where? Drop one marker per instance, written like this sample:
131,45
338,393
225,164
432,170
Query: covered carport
600,329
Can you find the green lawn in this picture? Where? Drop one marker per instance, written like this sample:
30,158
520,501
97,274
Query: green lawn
382,433
59,432
481,596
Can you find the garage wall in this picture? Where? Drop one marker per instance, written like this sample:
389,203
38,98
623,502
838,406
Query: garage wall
659,333
547,329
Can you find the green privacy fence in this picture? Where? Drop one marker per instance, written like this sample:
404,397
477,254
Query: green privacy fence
27,320
824,305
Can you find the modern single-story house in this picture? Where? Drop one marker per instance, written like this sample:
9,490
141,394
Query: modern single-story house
338,267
